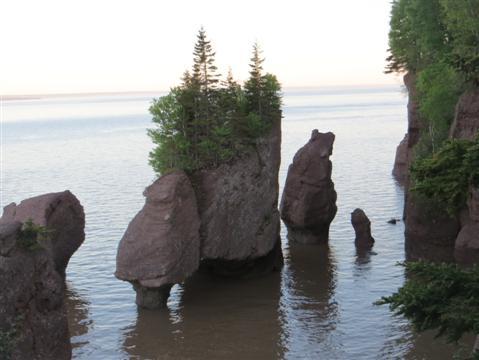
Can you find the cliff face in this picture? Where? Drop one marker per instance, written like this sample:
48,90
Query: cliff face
33,318
238,203
466,121
226,218
430,233
404,150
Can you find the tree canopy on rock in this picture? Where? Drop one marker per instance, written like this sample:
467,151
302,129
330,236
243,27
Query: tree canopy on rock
206,121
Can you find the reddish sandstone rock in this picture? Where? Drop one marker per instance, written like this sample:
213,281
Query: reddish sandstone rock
430,232
62,214
401,162
161,245
308,204
238,203
466,120
404,150
362,228
32,300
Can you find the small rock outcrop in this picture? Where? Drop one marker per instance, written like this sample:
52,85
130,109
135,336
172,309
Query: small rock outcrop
161,245
467,243
308,204
62,214
466,120
401,162
362,228
33,320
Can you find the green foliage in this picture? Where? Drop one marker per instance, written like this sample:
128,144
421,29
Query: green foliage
461,18
204,122
432,31
7,342
438,88
439,297
31,235
447,175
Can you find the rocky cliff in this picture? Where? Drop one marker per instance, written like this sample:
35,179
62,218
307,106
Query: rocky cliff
33,321
226,219
431,233
404,150
308,204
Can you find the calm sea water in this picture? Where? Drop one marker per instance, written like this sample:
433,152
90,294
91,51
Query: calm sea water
319,307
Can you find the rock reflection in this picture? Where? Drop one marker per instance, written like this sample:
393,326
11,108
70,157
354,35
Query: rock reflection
212,318
79,319
309,312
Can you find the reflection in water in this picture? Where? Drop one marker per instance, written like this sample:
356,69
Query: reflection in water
79,319
211,318
308,310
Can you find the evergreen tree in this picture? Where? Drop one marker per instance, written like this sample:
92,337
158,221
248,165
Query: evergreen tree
253,87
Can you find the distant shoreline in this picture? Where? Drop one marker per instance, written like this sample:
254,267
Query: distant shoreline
152,93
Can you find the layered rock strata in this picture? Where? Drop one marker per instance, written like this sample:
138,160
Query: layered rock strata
62,214
362,229
308,204
33,321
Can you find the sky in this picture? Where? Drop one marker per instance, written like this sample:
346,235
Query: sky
74,46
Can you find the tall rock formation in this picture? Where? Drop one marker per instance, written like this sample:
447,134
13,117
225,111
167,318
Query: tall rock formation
404,150
431,233
62,214
308,204
33,321
161,245
226,218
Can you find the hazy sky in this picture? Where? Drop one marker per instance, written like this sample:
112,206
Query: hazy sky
64,46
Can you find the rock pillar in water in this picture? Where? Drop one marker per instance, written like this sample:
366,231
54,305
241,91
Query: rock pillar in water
161,245
308,204
362,228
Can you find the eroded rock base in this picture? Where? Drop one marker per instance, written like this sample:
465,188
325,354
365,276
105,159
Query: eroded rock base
152,298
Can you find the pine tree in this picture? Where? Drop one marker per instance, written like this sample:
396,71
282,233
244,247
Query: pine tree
253,87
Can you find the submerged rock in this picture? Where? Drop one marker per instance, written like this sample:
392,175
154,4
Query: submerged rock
33,321
362,228
308,204
62,214
161,245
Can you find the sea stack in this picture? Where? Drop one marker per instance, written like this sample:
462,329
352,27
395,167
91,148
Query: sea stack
33,320
308,204
63,216
362,228
225,219
161,245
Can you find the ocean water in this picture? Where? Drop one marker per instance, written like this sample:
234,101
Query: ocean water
321,304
